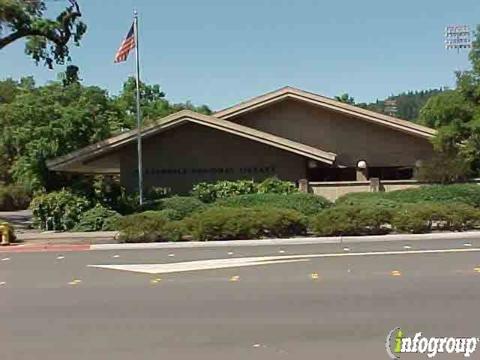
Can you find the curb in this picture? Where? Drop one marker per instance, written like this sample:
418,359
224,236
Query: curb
469,235
43,248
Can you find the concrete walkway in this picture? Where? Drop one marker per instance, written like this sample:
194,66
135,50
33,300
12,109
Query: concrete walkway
52,237
50,241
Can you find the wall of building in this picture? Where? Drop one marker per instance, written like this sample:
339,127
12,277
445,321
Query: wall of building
352,139
192,153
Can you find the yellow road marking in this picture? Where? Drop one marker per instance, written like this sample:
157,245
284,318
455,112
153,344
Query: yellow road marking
477,269
235,278
155,281
314,276
396,273
75,282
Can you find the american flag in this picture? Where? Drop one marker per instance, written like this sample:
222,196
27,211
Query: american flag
127,45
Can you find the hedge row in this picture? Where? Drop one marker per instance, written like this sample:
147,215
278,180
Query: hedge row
458,193
306,204
214,223
408,218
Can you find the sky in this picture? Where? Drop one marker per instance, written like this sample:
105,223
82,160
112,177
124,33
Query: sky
220,52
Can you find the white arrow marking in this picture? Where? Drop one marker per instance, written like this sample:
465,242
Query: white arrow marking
255,261
197,265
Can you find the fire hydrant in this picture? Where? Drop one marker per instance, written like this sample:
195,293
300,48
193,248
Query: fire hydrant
5,230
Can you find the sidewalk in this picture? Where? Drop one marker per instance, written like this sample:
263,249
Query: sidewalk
70,238
105,240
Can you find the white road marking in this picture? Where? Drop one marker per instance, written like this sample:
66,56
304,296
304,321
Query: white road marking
467,244
198,265
281,251
264,260
407,247
346,249
6,259
171,255
3,283
60,257
116,256
230,253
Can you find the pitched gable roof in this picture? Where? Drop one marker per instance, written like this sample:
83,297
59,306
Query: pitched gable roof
64,163
326,103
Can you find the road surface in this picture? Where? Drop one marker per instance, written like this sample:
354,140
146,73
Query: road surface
296,302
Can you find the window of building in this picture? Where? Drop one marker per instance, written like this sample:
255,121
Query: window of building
391,173
331,174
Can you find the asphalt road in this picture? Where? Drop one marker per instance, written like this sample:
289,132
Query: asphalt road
54,306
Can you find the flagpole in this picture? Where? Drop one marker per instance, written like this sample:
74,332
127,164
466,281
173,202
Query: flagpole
139,115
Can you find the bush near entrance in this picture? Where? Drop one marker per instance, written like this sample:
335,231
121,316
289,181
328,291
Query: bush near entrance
59,210
209,192
306,204
98,218
180,206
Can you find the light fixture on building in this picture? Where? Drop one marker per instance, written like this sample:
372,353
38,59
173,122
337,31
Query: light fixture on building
362,164
312,164
418,163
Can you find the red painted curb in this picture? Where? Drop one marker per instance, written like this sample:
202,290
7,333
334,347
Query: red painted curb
44,247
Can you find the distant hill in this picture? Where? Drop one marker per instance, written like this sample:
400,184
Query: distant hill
406,105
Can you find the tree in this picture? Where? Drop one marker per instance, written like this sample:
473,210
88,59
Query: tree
345,98
44,122
456,115
153,104
50,121
47,39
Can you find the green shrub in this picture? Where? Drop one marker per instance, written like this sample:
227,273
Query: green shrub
98,218
14,197
149,226
365,199
223,223
209,192
352,220
60,210
464,193
276,186
428,216
306,204
182,205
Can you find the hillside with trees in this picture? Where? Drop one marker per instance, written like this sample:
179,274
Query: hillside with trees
406,105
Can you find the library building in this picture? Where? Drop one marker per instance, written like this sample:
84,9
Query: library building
325,146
